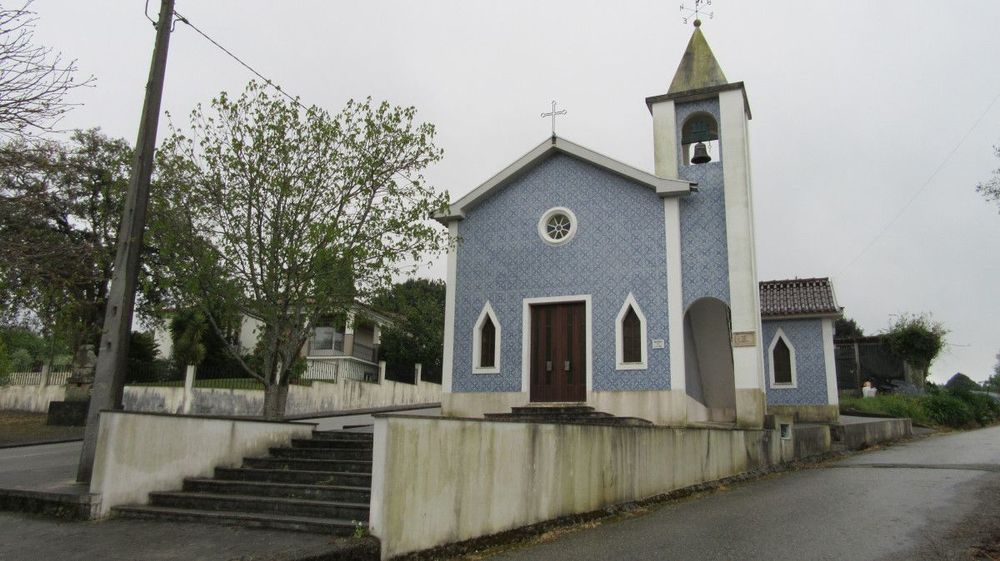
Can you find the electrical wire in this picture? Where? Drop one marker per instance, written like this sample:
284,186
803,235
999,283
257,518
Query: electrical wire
922,187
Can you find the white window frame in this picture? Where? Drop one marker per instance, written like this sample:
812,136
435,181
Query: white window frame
620,363
780,334
477,342
543,222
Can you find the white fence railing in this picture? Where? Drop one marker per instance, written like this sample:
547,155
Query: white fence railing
35,378
341,368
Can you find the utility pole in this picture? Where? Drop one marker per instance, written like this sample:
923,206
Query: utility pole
109,376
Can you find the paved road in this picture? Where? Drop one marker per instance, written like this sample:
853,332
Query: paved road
928,499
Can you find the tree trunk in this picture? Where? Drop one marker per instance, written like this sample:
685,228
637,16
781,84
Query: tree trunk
275,396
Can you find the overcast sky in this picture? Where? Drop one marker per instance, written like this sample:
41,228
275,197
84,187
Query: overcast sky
856,105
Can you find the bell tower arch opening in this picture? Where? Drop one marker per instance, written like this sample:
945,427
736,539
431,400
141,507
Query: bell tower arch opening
700,139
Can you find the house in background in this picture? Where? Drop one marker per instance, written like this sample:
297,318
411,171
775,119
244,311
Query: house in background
348,347
798,319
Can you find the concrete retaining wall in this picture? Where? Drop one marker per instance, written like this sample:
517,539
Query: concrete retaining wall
440,481
138,453
34,399
856,435
321,397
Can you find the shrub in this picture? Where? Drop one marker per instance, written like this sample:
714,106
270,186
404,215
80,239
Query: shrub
948,410
985,409
4,364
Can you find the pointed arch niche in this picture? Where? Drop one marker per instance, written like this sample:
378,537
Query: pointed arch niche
486,342
781,362
630,336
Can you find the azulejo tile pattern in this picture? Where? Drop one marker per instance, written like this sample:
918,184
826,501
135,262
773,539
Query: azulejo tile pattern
806,336
619,247
704,256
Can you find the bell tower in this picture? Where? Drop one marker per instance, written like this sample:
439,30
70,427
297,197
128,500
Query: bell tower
700,134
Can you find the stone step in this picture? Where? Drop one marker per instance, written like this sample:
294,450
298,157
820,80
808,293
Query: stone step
323,453
553,410
282,490
244,519
342,435
262,505
605,421
351,466
332,443
309,477
553,415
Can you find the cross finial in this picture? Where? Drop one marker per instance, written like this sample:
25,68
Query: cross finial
554,114
699,9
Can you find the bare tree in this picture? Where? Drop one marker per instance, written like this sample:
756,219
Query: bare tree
34,80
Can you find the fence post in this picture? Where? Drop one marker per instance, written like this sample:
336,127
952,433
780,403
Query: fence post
417,368
188,389
857,365
381,372
44,381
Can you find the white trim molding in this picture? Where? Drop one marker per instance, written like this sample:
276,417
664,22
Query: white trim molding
830,363
448,359
675,291
526,336
780,334
620,363
477,342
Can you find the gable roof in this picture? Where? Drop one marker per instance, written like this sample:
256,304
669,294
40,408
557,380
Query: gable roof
698,68
798,298
555,145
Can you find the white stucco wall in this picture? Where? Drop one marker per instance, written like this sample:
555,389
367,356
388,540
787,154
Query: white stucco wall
140,453
321,397
33,399
439,481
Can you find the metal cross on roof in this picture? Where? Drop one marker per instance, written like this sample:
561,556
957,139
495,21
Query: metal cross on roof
699,9
554,114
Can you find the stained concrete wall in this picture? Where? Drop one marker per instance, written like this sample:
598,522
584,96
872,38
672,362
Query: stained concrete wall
320,397
34,399
858,433
139,453
439,481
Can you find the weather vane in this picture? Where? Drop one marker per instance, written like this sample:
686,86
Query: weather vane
554,114
700,8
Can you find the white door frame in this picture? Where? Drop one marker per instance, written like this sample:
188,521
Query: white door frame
526,337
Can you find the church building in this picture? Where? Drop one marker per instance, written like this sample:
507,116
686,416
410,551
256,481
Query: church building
579,279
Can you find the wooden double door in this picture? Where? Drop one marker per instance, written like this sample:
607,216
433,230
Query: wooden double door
558,352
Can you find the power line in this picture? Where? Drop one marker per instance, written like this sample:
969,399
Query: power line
232,55
922,187
268,81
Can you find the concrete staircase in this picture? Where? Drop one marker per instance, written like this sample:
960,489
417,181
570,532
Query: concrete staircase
565,414
319,485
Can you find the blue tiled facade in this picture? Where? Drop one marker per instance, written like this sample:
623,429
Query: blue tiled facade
704,255
619,247
806,335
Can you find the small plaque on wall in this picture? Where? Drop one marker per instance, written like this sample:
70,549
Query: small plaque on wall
744,339
658,343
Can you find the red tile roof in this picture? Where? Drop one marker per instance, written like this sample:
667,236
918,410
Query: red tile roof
796,297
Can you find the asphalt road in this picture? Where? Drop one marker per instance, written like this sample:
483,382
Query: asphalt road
928,499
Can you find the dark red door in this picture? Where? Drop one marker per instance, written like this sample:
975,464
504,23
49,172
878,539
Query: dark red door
558,352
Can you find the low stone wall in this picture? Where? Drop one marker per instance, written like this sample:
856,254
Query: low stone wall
320,397
139,453
862,434
440,481
33,399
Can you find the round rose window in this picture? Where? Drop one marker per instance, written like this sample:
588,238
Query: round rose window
557,226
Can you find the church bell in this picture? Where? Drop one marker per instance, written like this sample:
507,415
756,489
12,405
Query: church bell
701,154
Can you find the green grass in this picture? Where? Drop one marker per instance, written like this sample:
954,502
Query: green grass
936,408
